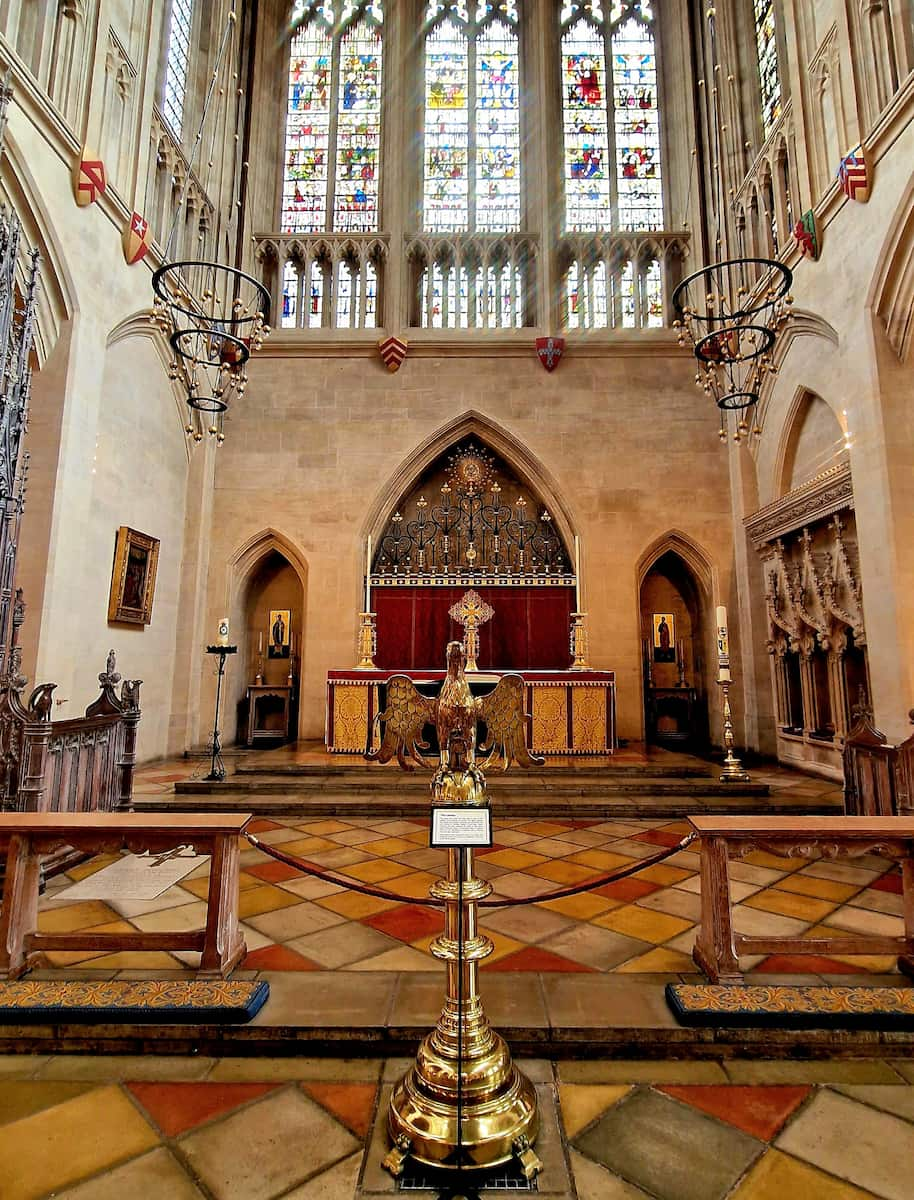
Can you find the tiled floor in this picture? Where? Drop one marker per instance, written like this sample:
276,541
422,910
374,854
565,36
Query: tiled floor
640,925
84,1128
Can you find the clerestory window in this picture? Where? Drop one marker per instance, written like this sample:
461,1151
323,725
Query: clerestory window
472,93
331,176
174,95
768,70
611,117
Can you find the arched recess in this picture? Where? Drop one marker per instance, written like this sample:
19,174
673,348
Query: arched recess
802,325
679,543
57,302
675,579
892,291
813,439
263,551
472,424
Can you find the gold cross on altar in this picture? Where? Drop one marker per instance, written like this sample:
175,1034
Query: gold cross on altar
471,611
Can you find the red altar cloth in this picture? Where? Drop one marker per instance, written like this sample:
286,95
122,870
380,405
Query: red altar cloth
529,631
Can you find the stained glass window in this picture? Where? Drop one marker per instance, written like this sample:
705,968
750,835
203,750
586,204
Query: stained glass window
611,117
471,157
769,77
180,22
333,122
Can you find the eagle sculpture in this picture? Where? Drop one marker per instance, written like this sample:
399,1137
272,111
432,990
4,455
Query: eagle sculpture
454,710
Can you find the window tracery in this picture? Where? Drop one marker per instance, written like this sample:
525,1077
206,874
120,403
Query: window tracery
174,94
471,156
611,117
333,119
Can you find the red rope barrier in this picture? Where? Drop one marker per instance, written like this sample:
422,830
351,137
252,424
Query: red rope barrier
309,868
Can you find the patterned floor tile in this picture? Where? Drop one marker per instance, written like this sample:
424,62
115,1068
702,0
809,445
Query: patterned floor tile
809,885
581,1104
891,882
294,920
60,1146
659,961
157,1174
263,899
599,948
351,1103
759,1111
379,870
354,905
672,1152
514,860
871,1149
527,923
535,958
562,871
176,1108
583,907
342,945
408,922
788,904
859,920
339,1183
601,861
242,1155
777,1176
22,1098
889,1097
401,958
643,924
277,958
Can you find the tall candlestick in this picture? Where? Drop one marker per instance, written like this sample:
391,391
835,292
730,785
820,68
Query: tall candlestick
222,638
577,573
260,642
368,576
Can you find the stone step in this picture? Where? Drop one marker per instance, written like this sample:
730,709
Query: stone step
389,784
323,804
586,770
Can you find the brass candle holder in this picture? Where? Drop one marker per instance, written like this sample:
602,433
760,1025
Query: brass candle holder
463,1104
579,642
368,642
733,769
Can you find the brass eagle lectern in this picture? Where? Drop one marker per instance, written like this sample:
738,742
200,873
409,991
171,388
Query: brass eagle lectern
463,1104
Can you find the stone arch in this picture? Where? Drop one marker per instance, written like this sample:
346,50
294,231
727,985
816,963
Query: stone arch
805,401
892,290
691,553
472,424
57,301
675,575
244,564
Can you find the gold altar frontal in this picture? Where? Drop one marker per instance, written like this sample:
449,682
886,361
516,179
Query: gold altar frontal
571,712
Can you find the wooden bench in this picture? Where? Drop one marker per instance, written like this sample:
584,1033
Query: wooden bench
717,947
26,837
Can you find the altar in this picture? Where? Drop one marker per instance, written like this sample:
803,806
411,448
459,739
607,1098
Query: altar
570,712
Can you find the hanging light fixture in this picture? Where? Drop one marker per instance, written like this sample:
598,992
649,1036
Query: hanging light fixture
212,315
730,312
732,329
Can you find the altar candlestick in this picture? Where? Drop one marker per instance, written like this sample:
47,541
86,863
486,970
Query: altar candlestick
260,642
368,576
223,632
577,573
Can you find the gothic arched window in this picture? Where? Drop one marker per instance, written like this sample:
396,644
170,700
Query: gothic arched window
471,158
180,22
333,118
767,50
611,117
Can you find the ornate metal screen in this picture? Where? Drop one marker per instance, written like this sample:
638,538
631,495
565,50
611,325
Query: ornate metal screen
472,527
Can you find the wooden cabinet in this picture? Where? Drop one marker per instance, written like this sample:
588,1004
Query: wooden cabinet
269,712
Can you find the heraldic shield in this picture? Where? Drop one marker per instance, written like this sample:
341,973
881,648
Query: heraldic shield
549,350
136,239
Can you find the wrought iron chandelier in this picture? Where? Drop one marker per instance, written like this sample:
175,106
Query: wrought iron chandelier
730,312
213,315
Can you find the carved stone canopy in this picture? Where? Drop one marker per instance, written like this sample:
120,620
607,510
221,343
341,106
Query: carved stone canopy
827,493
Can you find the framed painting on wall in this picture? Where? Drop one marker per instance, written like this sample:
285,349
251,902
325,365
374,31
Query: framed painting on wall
133,577
664,637
280,628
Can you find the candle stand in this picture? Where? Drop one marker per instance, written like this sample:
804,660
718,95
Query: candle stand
733,769
217,766
368,642
579,642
